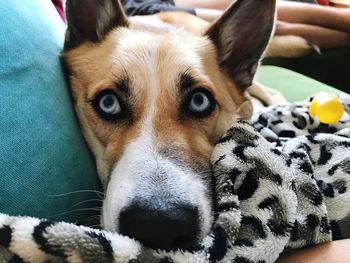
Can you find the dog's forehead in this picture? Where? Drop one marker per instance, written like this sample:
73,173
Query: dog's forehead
142,56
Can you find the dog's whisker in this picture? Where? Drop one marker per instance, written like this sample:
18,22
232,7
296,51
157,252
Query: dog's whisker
78,192
93,216
77,210
204,172
86,201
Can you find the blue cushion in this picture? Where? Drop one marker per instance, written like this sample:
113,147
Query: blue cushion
43,155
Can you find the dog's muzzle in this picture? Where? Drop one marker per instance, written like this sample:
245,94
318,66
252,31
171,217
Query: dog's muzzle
167,227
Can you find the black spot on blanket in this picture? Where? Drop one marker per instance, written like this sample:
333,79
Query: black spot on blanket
219,249
303,146
243,136
306,167
326,188
345,144
279,228
229,206
276,151
5,236
263,120
336,232
254,224
222,157
340,185
248,186
311,192
228,188
312,138
263,171
224,139
297,155
325,156
287,134
301,232
311,120
300,123
278,223
234,173
312,221
39,237
297,228
268,202
105,243
324,225
276,122
239,152
243,242
332,170
344,165
323,128
240,135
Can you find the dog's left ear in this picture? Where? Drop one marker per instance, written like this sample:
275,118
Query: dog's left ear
91,20
241,36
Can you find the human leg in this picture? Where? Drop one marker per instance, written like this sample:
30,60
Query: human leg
323,16
207,4
320,36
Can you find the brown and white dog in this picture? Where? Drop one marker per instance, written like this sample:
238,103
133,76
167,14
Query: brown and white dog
153,99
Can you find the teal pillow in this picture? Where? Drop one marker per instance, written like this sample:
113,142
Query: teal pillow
46,168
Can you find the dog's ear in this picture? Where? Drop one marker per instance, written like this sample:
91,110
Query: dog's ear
91,20
241,35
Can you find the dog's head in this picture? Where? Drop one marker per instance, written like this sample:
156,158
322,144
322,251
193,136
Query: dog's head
152,101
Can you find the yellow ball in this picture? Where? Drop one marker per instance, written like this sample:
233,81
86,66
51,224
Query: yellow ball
319,97
329,110
313,107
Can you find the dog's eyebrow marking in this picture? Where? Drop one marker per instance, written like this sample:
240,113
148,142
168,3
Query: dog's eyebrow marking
123,84
186,81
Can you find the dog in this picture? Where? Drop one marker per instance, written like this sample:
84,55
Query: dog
152,100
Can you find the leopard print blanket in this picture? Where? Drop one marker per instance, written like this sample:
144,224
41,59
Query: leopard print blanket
282,182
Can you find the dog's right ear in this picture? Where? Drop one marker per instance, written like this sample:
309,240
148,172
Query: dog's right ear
91,20
241,35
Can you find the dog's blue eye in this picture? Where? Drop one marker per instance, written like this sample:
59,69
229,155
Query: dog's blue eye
109,104
111,107
201,103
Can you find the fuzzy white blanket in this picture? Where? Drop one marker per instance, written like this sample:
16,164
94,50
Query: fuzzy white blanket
282,182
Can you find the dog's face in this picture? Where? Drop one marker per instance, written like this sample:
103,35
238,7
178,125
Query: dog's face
152,102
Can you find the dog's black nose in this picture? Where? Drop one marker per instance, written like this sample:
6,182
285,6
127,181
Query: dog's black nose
171,228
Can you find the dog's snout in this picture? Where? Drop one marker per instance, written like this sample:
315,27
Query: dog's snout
175,227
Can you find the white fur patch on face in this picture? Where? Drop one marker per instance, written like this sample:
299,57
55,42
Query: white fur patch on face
144,175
